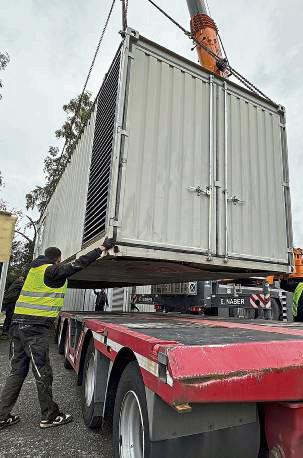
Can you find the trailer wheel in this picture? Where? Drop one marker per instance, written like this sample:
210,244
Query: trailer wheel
276,310
88,388
130,422
66,363
62,337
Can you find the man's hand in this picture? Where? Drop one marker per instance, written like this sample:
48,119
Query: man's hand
107,244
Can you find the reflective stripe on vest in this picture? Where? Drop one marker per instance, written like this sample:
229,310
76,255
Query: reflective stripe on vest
37,299
39,307
296,298
31,294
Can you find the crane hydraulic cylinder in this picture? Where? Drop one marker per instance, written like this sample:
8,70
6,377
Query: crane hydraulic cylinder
205,31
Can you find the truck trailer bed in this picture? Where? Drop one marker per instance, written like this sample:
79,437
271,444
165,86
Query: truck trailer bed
198,360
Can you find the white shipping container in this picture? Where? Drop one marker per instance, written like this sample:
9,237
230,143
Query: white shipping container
186,170
80,300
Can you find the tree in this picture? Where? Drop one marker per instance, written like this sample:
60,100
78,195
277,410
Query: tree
4,60
78,112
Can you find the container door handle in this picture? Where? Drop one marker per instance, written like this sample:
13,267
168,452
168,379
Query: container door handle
198,190
235,200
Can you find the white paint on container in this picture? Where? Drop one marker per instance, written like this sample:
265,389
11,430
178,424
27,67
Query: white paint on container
79,300
63,220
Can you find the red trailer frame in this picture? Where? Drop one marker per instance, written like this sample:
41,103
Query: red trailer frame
188,361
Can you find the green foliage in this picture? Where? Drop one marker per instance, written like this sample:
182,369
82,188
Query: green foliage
55,163
74,124
4,60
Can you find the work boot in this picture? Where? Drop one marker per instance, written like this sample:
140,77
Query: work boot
4,335
61,419
10,421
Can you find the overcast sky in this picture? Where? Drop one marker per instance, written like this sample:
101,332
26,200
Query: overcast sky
51,44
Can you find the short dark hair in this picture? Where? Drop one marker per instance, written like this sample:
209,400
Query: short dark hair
52,253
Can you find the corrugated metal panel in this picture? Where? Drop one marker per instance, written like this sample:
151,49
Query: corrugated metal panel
63,220
168,152
79,300
97,198
118,299
177,120
255,208
167,186
146,289
145,308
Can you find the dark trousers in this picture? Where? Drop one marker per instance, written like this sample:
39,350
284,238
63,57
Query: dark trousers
29,344
9,311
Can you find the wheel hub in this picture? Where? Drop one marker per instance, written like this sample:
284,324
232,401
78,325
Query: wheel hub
131,427
90,381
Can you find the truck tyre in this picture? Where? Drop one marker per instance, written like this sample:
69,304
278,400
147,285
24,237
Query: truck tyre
276,310
66,363
130,422
61,338
88,388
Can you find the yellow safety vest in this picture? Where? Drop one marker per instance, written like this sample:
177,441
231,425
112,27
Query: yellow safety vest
296,298
37,299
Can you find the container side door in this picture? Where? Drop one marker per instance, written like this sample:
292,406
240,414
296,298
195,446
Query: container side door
168,160
252,219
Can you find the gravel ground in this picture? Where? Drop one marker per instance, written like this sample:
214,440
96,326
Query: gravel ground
27,440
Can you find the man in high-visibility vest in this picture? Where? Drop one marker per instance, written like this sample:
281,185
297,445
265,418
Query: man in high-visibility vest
297,307
296,287
38,305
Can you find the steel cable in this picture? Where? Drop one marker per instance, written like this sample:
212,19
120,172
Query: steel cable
218,59
89,72
82,94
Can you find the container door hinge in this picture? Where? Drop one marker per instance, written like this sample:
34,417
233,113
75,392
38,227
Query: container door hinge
209,256
122,131
285,184
115,223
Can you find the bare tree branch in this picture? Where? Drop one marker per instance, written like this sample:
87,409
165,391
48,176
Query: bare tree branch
33,224
25,236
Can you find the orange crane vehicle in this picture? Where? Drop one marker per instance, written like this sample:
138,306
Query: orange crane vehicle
298,264
297,273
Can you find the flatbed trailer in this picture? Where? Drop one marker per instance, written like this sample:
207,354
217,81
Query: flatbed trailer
184,386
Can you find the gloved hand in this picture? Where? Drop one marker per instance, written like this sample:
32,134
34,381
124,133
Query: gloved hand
107,244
